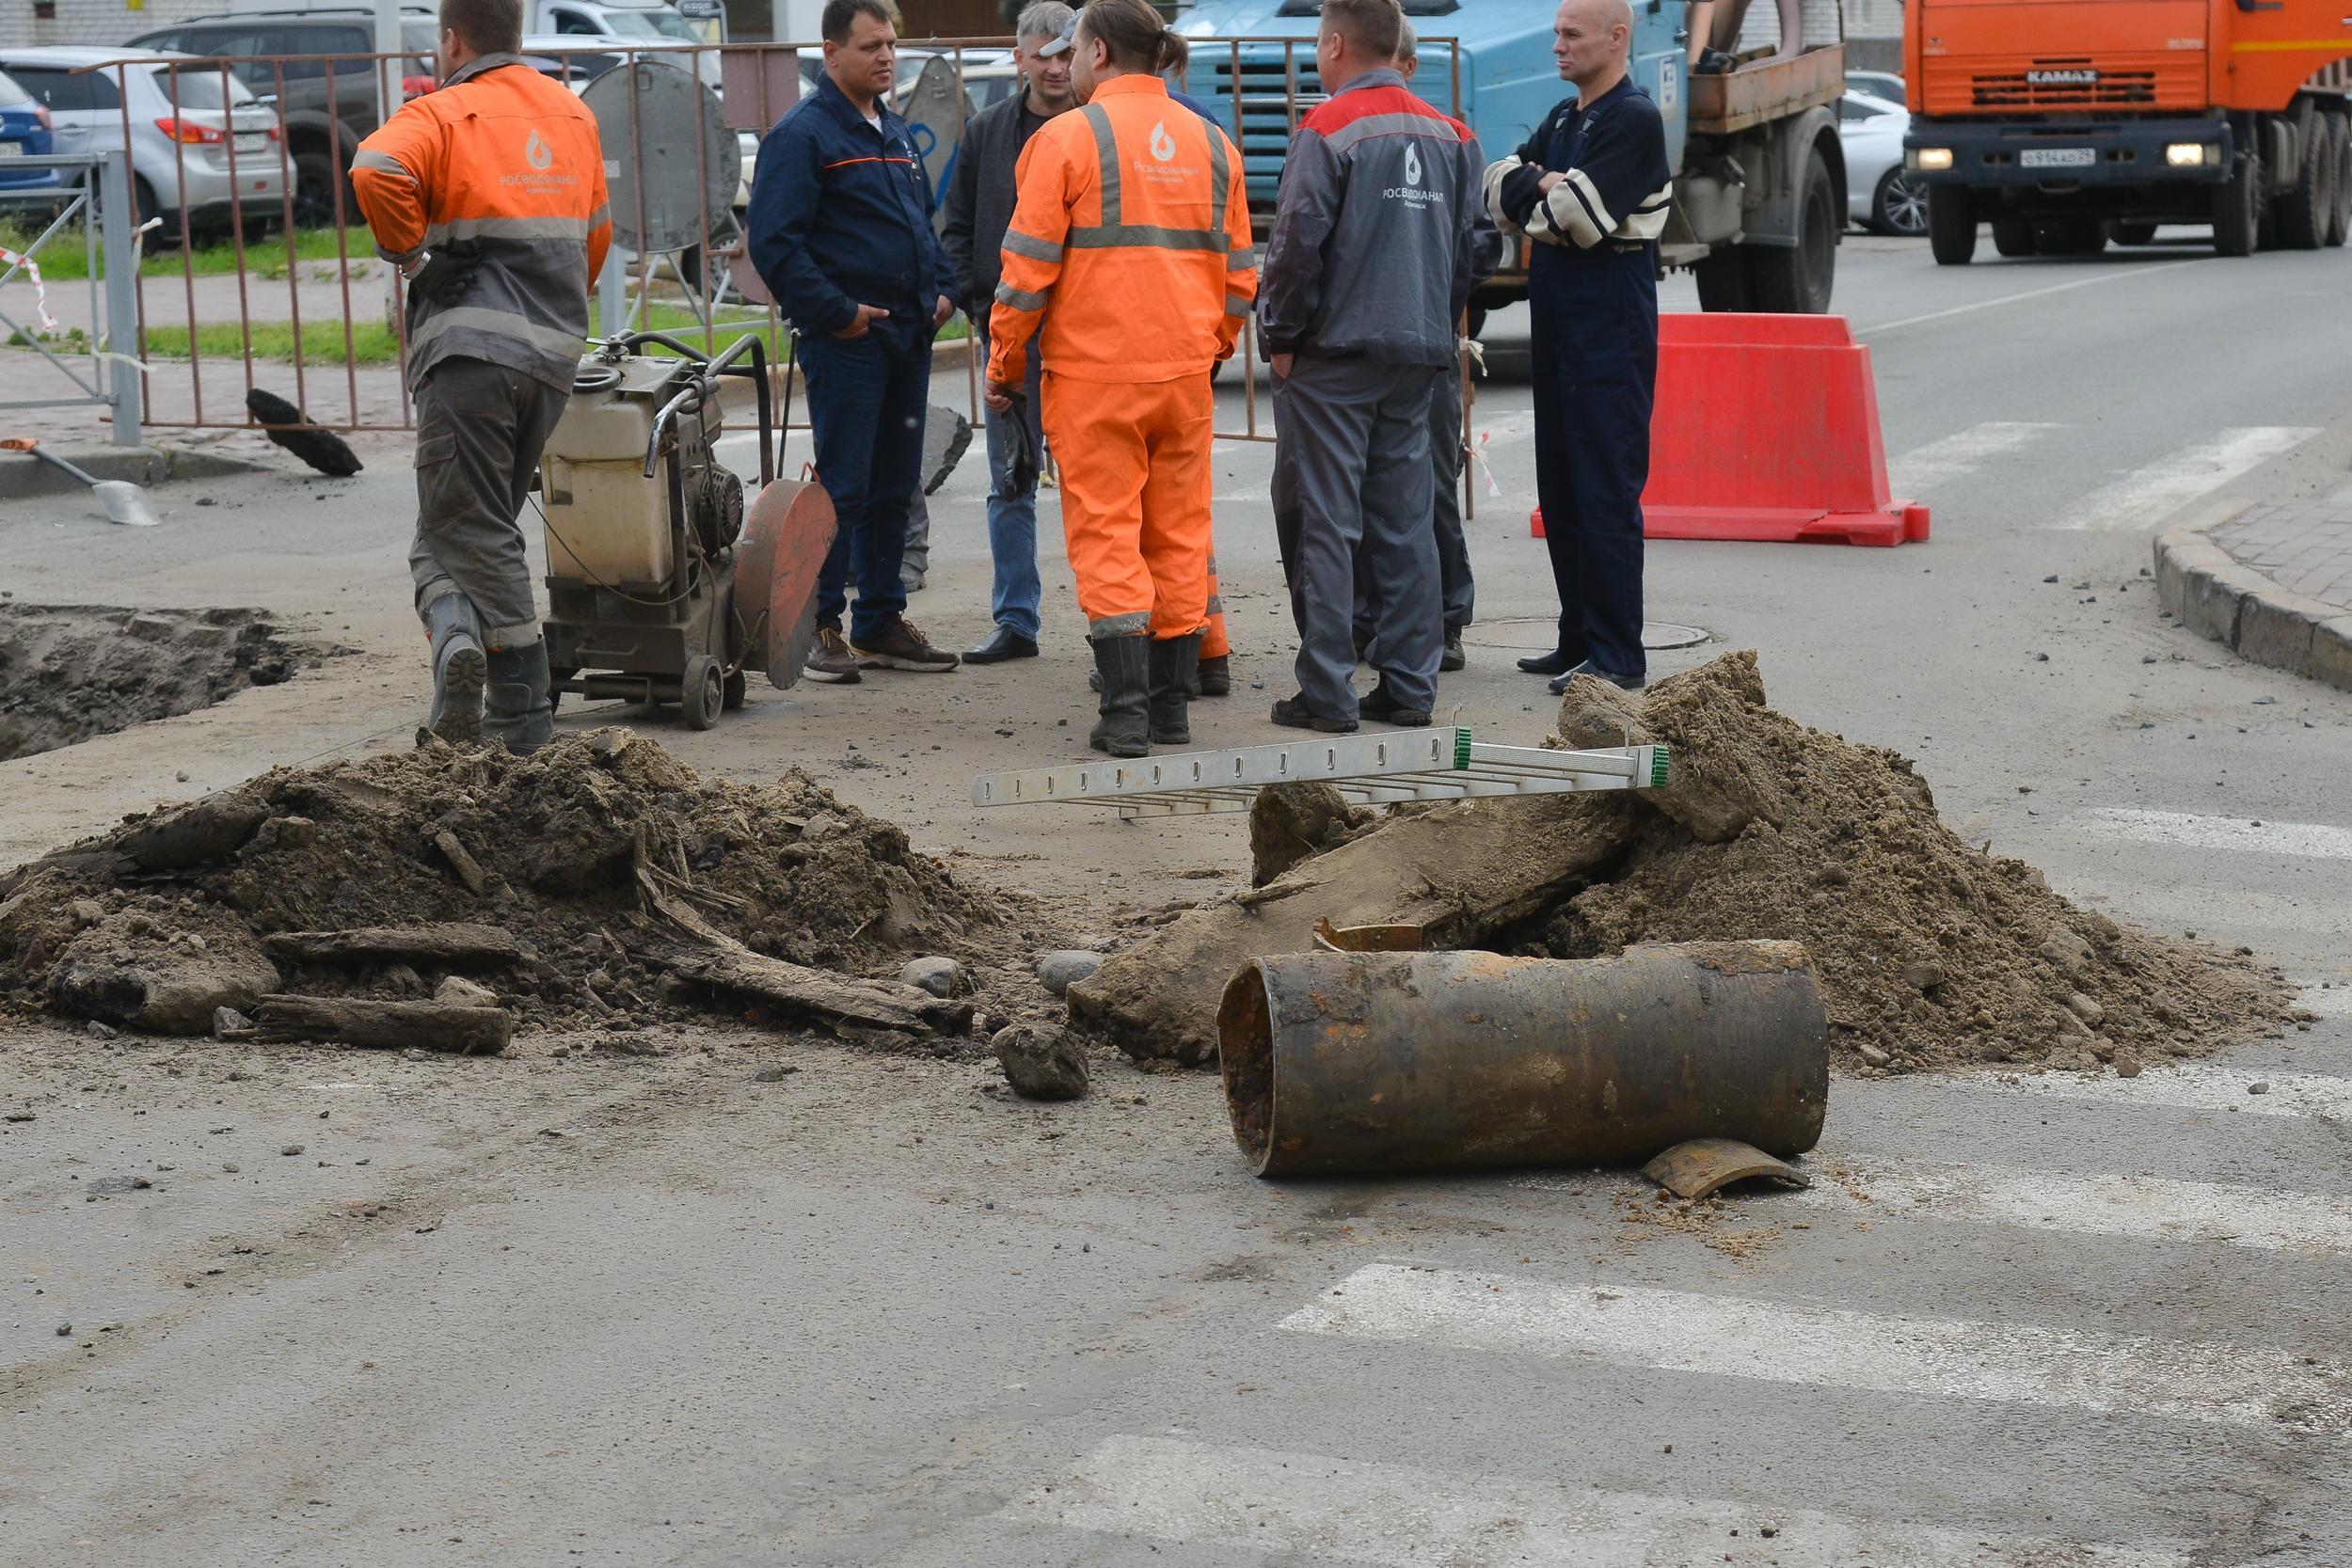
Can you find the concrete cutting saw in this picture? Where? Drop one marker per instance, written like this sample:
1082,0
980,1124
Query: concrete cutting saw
662,585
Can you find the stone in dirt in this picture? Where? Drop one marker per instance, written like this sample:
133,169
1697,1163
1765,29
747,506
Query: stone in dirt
601,847
1288,823
1060,969
1768,830
942,977
1041,1063
458,991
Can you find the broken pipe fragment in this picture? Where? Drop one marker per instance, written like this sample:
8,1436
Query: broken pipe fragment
1698,1167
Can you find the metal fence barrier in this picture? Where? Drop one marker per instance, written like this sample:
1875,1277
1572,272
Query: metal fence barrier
99,371
213,327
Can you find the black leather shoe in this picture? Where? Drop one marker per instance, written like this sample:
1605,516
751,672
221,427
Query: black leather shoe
1623,683
1453,658
1557,662
1293,713
1003,643
1378,704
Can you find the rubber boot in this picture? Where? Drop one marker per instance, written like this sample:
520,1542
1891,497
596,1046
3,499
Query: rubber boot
515,708
1173,661
1125,666
459,669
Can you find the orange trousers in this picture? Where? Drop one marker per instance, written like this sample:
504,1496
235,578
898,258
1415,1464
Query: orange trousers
1136,481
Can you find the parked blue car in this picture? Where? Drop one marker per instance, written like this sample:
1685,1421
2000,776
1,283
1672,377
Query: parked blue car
24,133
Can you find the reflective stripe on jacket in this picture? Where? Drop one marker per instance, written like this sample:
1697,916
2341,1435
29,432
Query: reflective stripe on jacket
503,163
1134,221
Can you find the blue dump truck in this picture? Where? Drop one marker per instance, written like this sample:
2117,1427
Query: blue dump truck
1760,196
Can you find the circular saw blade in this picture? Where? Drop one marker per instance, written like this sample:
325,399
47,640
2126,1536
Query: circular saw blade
787,531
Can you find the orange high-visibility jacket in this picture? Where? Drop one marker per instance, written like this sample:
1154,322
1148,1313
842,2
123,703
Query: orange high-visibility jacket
504,165
1133,220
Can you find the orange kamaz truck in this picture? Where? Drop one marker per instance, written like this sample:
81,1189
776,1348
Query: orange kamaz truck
2067,123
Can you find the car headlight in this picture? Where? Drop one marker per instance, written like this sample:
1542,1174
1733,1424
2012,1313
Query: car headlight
1932,159
2189,154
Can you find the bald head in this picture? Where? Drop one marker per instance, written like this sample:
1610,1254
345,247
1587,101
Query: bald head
1591,40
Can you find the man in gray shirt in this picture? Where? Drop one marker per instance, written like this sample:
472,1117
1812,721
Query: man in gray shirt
1374,249
978,211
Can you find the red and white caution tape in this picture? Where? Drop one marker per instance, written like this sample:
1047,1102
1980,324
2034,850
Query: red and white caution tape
40,292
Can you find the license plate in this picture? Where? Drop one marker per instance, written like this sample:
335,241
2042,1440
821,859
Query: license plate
252,141
2057,157
11,149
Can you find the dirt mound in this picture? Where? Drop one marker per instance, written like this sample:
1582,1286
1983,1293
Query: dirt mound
1931,952
606,858
71,672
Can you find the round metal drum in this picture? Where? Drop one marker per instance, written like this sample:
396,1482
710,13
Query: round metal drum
674,176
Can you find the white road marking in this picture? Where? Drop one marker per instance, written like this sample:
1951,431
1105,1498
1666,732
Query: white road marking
2146,495
1674,1331
2193,1086
2142,1207
2237,834
1269,1500
1964,452
2124,276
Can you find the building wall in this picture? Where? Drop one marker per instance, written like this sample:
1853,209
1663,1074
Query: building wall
91,22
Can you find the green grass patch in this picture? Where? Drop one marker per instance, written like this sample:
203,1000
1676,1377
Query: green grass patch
66,259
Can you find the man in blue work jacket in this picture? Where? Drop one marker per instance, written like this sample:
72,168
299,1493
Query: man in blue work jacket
840,228
1591,188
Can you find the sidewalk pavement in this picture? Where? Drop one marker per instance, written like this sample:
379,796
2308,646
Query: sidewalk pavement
2272,581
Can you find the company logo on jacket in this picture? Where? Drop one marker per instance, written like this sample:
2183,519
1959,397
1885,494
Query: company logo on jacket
1412,193
540,156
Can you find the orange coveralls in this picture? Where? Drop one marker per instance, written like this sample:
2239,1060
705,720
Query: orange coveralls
1133,221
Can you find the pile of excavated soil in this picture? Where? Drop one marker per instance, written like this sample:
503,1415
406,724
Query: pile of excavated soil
71,672
559,850
1931,953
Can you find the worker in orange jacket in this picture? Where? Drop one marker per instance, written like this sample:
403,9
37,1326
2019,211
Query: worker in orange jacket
1133,221
488,193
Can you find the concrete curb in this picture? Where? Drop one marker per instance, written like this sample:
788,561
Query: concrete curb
2263,624
26,476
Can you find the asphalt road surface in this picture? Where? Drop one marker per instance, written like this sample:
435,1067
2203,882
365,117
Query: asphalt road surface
654,1313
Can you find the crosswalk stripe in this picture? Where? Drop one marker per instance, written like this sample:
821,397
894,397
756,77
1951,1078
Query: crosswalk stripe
1270,1500
2235,834
2142,1207
2145,495
2191,1087
1831,1347
1964,452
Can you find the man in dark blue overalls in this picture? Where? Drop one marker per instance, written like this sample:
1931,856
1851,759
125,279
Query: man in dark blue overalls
840,228
1591,188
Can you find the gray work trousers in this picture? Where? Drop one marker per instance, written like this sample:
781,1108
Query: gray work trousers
480,430
1454,568
1354,434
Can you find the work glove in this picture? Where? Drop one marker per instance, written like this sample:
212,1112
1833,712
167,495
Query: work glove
1022,471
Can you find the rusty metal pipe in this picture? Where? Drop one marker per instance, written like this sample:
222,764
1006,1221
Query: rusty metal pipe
1373,1063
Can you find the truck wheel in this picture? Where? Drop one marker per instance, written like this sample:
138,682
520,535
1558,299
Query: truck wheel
2300,215
2237,208
1723,279
2013,237
2339,139
2134,233
1795,280
1951,226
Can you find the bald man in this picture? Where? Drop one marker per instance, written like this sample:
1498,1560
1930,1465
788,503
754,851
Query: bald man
1591,188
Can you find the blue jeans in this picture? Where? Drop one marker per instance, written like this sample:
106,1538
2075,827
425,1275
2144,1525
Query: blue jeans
1012,514
866,399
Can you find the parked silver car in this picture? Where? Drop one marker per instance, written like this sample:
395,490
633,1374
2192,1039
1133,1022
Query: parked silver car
1879,195
200,143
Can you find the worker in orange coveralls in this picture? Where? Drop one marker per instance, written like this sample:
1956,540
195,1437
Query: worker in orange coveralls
488,193
1133,221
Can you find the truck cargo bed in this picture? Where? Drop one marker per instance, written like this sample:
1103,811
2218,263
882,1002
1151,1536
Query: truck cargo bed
1766,90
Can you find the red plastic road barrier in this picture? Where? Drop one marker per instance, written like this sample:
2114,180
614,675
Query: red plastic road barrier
1767,428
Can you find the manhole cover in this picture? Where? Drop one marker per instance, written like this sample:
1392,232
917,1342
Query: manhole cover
1537,634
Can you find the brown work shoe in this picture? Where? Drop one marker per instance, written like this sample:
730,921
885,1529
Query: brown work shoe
903,647
831,659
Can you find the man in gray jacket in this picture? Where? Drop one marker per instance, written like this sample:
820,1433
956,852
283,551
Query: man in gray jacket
1375,241
978,211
